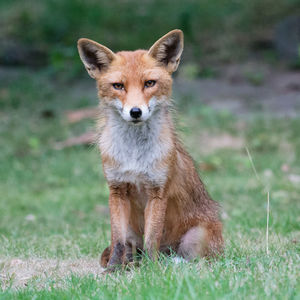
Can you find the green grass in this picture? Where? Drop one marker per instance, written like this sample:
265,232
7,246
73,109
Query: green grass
51,204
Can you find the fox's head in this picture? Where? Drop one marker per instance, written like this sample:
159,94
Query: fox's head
135,83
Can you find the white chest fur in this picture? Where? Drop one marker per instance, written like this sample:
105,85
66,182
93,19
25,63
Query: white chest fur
136,149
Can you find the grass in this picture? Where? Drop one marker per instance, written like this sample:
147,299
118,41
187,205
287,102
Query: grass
53,203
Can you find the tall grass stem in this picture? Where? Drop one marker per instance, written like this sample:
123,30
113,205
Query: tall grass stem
268,198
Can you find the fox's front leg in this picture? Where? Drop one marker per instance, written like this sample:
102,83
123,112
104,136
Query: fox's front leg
119,206
155,212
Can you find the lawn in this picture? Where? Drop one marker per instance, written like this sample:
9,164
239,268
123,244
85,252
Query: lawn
54,221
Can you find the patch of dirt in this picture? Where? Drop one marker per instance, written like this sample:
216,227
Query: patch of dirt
246,88
18,273
210,143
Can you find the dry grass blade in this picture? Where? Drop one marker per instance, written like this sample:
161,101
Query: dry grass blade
75,116
268,198
84,139
267,229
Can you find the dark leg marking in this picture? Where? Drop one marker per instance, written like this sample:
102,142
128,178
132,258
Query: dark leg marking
117,255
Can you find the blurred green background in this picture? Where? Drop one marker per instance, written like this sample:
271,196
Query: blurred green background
44,33
237,88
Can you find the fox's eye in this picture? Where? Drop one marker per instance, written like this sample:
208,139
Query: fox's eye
150,83
118,86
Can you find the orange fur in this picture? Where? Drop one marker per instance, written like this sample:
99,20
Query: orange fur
157,200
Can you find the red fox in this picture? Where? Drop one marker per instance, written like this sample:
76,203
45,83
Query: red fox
157,201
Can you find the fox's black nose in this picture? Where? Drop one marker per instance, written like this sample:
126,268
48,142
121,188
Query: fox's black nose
135,113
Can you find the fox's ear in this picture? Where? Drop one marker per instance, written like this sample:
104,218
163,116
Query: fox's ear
168,49
95,57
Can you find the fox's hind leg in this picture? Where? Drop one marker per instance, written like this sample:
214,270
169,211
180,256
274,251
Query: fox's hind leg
202,241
